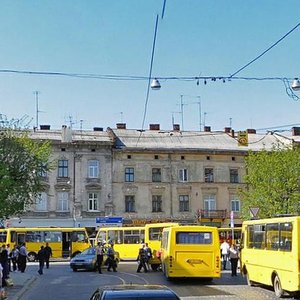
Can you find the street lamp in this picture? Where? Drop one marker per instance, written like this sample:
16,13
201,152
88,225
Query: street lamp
296,84
155,84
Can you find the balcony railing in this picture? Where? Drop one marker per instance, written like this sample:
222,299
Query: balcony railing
212,214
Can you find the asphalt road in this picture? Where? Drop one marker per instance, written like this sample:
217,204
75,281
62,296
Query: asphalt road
60,282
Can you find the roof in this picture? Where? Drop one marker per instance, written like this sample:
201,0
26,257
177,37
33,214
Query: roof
135,291
193,140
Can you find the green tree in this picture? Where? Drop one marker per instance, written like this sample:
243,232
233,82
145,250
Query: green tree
21,162
273,182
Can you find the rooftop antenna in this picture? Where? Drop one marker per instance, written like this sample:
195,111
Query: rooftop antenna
230,122
121,116
36,93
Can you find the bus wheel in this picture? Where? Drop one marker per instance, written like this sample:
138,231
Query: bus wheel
31,256
277,287
154,267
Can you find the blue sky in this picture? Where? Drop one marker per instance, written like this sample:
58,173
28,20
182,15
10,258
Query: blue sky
195,38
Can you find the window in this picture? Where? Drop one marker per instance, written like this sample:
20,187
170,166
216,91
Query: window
209,175
209,202
183,175
156,203
195,238
63,168
184,203
42,170
235,204
234,176
129,204
63,201
129,174
93,169
156,175
41,202
93,201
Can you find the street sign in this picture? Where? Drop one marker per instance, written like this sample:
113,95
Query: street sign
254,211
242,138
109,220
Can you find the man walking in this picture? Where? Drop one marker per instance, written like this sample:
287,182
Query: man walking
48,254
99,253
142,259
41,258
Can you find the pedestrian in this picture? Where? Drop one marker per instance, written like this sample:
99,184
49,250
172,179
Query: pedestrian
3,294
22,258
14,257
4,263
142,260
224,253
111,258
234,257
148,254
99,253
48,254
41,258
8,257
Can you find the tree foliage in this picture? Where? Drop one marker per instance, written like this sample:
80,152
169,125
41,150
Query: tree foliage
273,182
21,162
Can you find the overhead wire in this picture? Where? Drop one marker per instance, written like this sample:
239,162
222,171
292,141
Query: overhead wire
264,52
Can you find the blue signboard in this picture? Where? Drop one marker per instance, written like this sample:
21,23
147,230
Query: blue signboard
109,220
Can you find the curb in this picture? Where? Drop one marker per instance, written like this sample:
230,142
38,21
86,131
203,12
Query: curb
27,284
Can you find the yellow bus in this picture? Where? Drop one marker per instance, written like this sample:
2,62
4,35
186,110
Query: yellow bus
127,240
191,251
64,242
231,235
270,253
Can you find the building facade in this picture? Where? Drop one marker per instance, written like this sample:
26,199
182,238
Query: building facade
144,176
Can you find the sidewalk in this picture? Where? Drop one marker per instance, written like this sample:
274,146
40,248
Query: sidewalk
22,281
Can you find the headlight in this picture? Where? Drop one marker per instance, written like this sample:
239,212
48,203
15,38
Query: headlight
90,260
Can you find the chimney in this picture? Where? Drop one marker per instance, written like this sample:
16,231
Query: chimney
66,134
207,128
45,127
251,131
295,131
176,127
121,125
232,132
154,127
227,129
98,128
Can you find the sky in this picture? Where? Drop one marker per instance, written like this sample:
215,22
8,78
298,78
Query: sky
195,38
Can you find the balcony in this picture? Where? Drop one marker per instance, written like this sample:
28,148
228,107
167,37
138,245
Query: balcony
212,214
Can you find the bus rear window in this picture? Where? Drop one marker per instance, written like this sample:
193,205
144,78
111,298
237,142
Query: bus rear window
195,238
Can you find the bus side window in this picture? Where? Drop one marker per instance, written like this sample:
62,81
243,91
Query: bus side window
285,243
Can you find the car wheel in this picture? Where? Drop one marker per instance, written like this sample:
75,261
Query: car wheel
31,256
279,292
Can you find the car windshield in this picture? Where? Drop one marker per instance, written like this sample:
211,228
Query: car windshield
89,251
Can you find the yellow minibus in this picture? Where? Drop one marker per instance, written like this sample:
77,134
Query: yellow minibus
64,242
270,253
191,251
128,240
231,235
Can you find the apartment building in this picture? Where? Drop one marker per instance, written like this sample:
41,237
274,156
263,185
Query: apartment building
144,176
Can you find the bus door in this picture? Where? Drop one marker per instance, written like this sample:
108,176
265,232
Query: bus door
21,238
66,245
